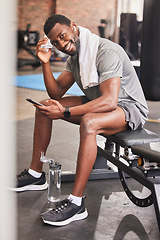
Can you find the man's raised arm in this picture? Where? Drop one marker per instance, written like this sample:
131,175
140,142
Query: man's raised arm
55,88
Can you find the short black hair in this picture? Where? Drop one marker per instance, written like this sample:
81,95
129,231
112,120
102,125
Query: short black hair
55,18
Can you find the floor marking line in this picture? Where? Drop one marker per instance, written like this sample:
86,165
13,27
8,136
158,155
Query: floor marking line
153,120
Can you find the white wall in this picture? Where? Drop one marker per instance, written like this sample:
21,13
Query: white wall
7,109
130,6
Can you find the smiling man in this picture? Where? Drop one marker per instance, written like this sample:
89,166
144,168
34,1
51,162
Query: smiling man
113,102
64,41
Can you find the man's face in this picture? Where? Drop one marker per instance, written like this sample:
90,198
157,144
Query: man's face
65,39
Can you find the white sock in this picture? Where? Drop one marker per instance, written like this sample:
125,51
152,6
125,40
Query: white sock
34,173
75,200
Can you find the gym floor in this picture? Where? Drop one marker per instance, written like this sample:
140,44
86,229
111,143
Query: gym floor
111,214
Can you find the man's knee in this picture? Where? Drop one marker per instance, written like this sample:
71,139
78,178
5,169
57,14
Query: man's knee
38,113
45,102
88,125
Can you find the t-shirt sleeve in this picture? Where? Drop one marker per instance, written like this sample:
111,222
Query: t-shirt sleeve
109,66
68,65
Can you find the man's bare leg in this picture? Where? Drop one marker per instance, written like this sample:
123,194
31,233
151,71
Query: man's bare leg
93,124
43,129
41,139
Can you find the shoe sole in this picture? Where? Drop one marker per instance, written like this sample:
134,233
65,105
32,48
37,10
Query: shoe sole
31,188
76,217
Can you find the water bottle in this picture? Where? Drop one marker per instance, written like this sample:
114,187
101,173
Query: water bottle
54,187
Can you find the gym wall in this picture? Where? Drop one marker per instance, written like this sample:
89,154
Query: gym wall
86,13
34,12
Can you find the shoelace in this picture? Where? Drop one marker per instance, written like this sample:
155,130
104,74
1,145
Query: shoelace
23,173
61,206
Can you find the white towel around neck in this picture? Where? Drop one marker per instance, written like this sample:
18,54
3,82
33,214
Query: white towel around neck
89,43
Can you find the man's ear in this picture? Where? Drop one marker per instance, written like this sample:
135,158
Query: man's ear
73,27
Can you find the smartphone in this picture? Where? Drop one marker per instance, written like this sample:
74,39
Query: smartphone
34,102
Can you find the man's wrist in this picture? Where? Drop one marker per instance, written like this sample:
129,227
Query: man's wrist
67,113
44,63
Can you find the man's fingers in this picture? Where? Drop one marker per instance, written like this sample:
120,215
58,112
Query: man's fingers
51,101
41,108
42,41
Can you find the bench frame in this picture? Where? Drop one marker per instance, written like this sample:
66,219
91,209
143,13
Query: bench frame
151,184
102,171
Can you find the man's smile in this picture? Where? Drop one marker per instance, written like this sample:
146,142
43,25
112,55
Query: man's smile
69,46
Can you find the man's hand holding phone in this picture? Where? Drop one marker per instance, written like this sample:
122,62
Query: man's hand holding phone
53,109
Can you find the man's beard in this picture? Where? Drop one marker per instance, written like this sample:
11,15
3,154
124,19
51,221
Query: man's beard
77,46
76,43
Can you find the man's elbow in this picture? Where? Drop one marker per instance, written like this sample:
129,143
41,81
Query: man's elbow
113,108
54,96
113,105
57,93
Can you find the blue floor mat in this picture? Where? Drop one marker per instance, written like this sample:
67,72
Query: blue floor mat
35,81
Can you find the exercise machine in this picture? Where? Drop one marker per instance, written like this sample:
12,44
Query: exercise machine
27,40
150,53
129,34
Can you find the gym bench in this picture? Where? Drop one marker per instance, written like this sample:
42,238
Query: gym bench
141,161
136,154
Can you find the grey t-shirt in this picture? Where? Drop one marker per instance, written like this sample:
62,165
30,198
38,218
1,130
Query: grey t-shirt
112,61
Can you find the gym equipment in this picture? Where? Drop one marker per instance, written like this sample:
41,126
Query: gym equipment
129,34
102,28
146,172
26,40
150,53
132,153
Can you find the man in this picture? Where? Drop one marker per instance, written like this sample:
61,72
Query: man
113,102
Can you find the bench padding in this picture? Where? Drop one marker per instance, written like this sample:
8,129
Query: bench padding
129,138
150,151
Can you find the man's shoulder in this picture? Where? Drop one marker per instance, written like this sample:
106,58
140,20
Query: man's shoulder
107,50
110,50
108,45
72,59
